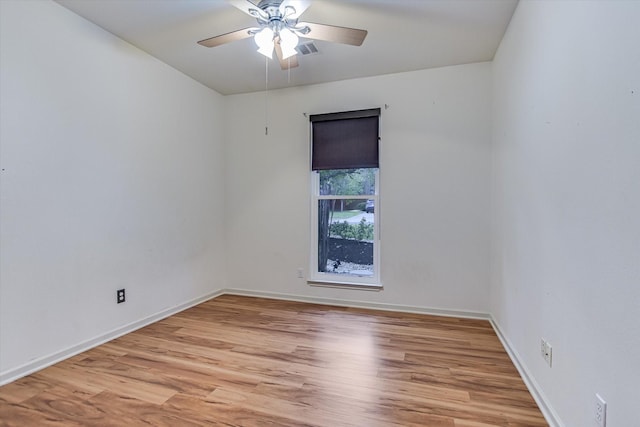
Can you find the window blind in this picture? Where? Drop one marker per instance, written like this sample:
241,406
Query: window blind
345,140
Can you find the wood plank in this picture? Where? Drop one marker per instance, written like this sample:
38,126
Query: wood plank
243,361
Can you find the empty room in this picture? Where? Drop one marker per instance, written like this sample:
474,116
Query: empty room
320,213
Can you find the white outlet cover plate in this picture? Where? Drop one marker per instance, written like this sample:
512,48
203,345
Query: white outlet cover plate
601,411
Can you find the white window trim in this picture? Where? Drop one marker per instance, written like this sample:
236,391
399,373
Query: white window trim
317,278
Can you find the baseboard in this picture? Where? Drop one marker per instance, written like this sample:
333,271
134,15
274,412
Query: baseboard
359,304
543,403
43,362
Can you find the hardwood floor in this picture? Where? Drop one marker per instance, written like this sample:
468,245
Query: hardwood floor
241,361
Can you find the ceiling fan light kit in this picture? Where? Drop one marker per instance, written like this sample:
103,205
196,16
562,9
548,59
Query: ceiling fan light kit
279,29
264,40
288,42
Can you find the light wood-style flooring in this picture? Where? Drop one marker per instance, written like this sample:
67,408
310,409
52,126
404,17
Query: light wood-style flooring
242,361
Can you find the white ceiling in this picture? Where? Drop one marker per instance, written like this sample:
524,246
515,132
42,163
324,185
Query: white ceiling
404,35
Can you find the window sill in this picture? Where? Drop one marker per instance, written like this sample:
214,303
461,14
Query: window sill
346,285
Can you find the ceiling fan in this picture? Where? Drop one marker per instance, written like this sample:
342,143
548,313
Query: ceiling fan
278,28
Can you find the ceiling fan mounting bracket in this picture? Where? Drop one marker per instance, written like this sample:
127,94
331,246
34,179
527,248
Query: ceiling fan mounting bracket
269,3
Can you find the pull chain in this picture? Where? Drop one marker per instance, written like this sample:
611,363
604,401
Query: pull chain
266,98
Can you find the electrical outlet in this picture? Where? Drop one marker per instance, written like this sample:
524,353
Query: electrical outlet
120,296
545,351
601,411
300,273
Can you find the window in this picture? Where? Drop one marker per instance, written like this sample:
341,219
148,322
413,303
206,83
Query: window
345,198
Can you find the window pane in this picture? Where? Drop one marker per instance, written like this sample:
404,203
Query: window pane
347,182
346,236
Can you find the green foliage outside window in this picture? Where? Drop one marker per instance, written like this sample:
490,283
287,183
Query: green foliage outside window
347,182
360,231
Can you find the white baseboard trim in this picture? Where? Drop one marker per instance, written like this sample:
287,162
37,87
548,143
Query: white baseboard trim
543,403
45,361
359,304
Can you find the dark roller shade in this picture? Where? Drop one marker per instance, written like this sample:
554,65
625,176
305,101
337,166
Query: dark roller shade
347,140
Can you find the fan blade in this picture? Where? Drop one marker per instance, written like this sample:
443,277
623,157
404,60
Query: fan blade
285,64
298,5
332,33
249,8
227,38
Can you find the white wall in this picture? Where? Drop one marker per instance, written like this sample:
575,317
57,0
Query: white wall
567,202
434,211
112,177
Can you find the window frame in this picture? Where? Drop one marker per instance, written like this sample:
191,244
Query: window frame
344,280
